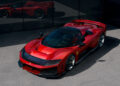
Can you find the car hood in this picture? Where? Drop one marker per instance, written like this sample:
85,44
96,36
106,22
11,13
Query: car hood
49,53
44,52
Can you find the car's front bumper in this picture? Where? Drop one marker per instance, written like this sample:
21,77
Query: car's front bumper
47,72
41,70
50,71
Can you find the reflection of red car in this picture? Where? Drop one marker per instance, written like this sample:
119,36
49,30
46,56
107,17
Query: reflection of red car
31,8
59,51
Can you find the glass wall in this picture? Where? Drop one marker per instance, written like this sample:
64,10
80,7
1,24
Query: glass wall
38,14
9,20
17,15
111,12
65,11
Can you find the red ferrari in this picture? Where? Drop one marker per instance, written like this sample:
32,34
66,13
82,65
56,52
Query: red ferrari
58,52
29,8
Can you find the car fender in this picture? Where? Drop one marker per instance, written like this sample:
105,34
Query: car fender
31,45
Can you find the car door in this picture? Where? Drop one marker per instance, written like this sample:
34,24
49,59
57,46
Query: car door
80,49
84,49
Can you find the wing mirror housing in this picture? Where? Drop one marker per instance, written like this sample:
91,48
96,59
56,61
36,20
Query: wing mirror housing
88,32
81,44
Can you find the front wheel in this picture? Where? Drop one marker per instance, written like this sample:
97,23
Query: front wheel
39,14
70,63
4,13
101,41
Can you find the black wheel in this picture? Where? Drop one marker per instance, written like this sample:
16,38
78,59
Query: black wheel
4,13
39,14
70,63
101,41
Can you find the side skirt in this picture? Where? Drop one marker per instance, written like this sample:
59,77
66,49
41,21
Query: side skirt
86,54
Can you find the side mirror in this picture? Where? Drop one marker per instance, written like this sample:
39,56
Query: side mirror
81,44
88,32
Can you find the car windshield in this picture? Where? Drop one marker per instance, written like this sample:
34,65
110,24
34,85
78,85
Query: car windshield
62,37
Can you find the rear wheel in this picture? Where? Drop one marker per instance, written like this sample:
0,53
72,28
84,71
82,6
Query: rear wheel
70,63
101,41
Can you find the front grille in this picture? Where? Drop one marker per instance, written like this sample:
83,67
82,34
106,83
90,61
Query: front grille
33,59
38,61
50,71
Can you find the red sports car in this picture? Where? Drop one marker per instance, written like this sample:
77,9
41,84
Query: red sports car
30,8
58,52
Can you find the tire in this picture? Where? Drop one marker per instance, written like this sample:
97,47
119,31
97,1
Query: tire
39,14
70,63
101,41
4,13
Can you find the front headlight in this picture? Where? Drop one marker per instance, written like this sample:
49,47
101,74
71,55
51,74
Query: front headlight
52,62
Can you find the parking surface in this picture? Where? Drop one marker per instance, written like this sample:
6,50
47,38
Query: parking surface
101,68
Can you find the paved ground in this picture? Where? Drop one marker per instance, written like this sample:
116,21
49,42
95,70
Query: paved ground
101,68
